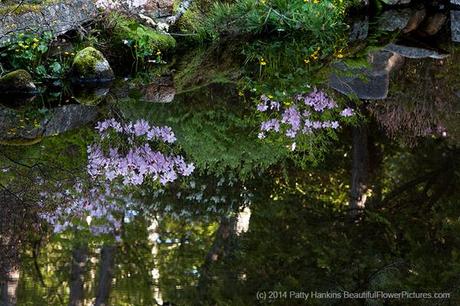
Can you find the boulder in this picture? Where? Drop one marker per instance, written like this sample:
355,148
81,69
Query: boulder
359,29
18,82
396,2
368,83
434,24
455,25
159,8
418,51
57,17
393,20
455,2
90,66
150,8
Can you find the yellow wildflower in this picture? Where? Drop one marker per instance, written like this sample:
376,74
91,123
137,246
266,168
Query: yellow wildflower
339,54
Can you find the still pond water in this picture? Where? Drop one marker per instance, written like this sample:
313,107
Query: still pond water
257,217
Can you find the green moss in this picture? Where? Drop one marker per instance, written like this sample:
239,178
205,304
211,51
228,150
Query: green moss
144,40
23,8
85,61
90,64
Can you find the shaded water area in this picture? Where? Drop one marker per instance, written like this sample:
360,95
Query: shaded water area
256,221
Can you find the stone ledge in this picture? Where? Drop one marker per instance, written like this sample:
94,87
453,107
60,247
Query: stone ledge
57,18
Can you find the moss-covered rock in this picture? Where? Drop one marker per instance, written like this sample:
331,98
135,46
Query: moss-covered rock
90,66
18,82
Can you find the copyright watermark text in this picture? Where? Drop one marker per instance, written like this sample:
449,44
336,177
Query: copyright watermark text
303,295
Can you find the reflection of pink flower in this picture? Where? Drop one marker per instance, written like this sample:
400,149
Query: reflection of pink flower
307,114
262,107
141,128
275,105
347,112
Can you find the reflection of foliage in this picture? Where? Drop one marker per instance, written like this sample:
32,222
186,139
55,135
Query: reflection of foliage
211,128
26,172
290,65
204,66
406,241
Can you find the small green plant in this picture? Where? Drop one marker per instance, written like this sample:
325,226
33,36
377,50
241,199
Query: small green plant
144,43
31,52
320,19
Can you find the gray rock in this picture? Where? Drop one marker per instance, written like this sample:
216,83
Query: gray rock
396,2
150,8
368,83
393,20
90,66
359,29
415,51
159,8
456,2
57,18
455,25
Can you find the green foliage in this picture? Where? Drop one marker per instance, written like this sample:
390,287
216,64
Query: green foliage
31,52
142,41
286,66
320,20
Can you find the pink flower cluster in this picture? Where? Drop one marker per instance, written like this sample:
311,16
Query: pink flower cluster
303,117
140,162
117,4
